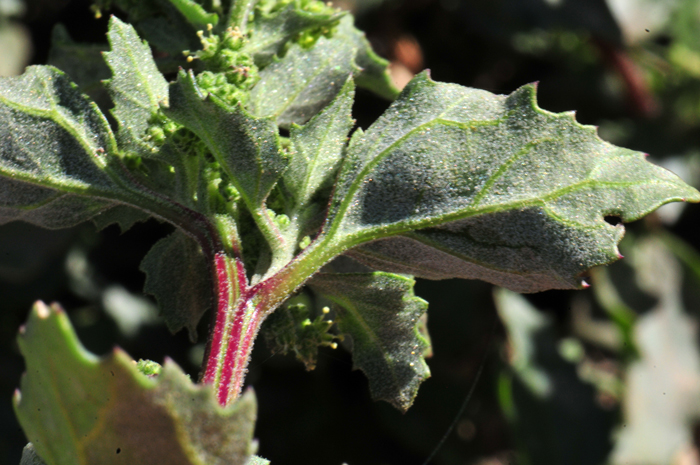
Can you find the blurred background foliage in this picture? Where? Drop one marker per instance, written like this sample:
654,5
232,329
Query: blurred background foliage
609,375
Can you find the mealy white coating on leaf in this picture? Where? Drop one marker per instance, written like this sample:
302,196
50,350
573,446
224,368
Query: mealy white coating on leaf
137,87
246,147
382,316
509,193
294,88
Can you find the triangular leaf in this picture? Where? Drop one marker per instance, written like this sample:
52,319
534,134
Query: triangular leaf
76,408
271,31
511,193
382,316
247,147
178,276
296,87
137,87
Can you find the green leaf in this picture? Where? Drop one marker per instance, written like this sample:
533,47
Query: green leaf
137,87
77,408
556,416
271,32
382,316
122,215
315,156
53,136
246,147
178,276
195,14
55,149
498,188
296,87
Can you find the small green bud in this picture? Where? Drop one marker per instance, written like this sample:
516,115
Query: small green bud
148,367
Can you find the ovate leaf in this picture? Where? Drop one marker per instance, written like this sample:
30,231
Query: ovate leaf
498,188
178,276
76,408
271,31
295,88
137,87
382,317
246,147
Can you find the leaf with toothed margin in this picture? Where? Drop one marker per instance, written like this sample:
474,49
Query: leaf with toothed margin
477,185
294,88
383,317
55,149
270,32
178,277
246,147
315,156
77,408
136,87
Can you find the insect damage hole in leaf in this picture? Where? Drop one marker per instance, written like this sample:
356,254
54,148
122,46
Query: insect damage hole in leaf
450,182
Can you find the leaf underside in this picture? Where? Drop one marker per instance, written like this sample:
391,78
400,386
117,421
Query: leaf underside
458,182
76,408
383,317
178,277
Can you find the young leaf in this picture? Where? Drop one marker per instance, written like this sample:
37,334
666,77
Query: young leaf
382,316
255,460
272,31
296,87
137,87
178,277
246,147
317,151
76,408
500,189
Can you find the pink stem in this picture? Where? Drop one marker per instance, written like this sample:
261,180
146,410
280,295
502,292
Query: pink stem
238,318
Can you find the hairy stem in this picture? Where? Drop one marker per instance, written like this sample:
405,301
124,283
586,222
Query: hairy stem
241,310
